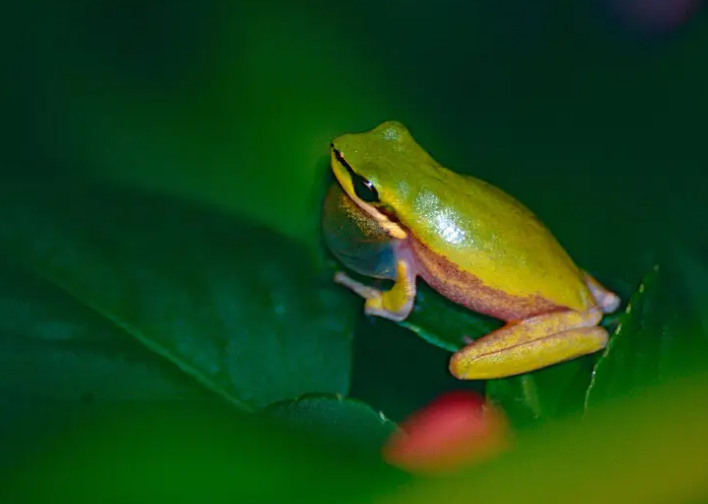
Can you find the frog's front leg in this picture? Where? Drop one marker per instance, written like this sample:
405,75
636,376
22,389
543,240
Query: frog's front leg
530,344
396,303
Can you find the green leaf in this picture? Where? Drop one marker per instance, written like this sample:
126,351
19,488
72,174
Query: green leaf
336,420
658,337
53,349
238,308
544,394
60,359
518,396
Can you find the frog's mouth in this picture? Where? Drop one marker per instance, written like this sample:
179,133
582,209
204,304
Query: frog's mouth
346,175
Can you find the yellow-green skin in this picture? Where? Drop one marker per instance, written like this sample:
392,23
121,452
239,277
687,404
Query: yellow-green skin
465,231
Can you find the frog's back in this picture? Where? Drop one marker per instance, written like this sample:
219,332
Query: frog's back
485,233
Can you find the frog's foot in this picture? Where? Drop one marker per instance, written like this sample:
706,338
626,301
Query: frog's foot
395,304
530,344
607,301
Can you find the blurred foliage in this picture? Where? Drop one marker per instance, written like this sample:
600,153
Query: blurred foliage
650,448
161,180
231,103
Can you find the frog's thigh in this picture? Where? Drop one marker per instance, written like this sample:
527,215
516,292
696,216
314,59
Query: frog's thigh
395,304
531,344
608,301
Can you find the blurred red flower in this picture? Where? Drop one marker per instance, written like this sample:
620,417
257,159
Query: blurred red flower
457,429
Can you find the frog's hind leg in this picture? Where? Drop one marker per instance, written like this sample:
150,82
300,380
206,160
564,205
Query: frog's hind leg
607,301
530,344
394,304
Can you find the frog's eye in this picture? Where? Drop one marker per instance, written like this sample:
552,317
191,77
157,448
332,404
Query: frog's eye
363,188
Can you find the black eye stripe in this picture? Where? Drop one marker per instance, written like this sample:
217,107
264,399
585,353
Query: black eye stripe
363,188
343,162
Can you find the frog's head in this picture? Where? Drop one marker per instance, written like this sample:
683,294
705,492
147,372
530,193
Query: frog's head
375,168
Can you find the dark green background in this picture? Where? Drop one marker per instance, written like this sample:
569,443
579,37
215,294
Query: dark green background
598,127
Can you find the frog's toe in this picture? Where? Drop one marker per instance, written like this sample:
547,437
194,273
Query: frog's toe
388,306
359,288
375,307
609,302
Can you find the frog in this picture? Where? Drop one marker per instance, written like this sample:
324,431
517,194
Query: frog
394,213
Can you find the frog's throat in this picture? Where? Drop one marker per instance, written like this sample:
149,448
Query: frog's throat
392,228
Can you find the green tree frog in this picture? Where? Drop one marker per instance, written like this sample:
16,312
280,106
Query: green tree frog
395,213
